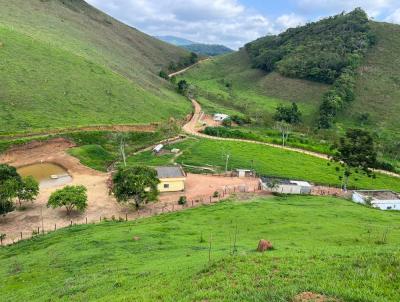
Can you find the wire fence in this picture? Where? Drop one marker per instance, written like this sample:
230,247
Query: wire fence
152,209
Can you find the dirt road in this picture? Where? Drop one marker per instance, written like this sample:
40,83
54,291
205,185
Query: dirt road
194,126
187,68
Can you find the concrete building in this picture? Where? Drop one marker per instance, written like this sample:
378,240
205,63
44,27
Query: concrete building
172,179
285,186
381,199
241,173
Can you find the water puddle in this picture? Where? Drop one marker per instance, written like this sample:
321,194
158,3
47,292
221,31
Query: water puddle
47,174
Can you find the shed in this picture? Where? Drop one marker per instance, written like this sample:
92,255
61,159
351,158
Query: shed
158,148
172,179
285,186
219,117
244,173
381,199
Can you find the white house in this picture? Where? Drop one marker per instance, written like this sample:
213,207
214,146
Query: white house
158,148
219,117
285,186
381,199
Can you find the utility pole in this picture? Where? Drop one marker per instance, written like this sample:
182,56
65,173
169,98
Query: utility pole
226,163
122,149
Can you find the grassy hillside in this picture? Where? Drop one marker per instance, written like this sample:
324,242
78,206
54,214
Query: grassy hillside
67,64
230,83
324,245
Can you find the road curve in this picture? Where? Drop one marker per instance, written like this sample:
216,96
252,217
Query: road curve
191,129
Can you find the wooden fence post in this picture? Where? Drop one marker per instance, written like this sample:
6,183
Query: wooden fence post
38,231
126,216
21,235
55,227
86,220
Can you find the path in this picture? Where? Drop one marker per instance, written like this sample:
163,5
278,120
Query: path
193,127
187,68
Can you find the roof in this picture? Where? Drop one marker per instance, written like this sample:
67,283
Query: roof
170,172
279,181
379,194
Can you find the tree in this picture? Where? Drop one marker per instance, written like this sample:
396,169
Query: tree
284,129
163,75
28,190
70,197
183,87
290,115
356,150
10,181
136,184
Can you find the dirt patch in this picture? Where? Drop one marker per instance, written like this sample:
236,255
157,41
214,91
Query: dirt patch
313,297
100,203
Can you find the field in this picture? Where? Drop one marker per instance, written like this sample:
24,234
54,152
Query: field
324,245
65,64
268,161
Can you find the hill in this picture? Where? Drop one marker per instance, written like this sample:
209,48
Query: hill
199,48
231,83
67,64
323,245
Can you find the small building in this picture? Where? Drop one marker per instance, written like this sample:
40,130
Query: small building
241,173
172,179
285,186
158,148
219,117
381,199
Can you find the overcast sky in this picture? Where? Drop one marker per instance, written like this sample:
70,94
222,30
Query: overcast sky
234,22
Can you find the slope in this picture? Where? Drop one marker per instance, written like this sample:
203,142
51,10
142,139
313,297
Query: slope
324,245
75,29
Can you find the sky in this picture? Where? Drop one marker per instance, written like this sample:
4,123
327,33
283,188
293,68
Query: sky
234,22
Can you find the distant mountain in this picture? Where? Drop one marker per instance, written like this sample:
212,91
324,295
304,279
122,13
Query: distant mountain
208,49
175,40
199,48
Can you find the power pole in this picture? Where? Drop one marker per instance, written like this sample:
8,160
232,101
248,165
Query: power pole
226,163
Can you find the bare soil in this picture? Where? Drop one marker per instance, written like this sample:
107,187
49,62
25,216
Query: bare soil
199,188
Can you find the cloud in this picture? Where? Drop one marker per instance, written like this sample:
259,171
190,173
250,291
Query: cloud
290,20
209,21
374,8
394,17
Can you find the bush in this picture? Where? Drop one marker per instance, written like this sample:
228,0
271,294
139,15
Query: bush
182,200
216,194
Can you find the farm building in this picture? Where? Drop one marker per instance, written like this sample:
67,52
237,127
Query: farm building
172,179
285,186
219,117
381,199
244,173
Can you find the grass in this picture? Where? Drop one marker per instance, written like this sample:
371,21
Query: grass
274,162
65,64
324,245
42,90
99,149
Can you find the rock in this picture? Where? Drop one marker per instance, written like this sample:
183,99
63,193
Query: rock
264,245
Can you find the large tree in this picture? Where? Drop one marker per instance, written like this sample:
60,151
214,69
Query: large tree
10,182
136,185
28,190
355,151
290,114
70,197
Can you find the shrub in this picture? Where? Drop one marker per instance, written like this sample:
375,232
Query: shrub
216,194
182,200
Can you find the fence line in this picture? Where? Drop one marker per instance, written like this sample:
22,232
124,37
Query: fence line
149,210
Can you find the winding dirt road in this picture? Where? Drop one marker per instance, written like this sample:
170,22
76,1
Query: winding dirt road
194,126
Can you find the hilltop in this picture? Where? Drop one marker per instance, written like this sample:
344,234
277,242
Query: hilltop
66,64
199,48
237,84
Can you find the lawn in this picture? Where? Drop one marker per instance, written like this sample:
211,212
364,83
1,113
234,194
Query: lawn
324,245
273,162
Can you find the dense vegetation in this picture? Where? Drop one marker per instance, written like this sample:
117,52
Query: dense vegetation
324,245
327,51
43,45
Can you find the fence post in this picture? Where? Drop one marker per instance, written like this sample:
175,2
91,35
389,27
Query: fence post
86,220
71,223
126,216
38,230
100,218
192,202
55,227
1,240
210,199
21,235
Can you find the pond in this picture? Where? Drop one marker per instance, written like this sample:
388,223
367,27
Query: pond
47,174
